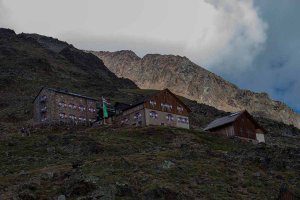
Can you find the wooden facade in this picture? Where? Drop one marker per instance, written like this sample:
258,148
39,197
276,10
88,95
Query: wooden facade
166,101
163,108
240,124
285,194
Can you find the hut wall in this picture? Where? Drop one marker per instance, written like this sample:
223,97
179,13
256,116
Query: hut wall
166,119
59,107
244,127
166,102
225,130
132,117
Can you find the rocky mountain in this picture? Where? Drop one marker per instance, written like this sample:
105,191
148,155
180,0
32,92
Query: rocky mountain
187,79
30,61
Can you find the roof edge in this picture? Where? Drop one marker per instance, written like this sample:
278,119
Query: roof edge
66,93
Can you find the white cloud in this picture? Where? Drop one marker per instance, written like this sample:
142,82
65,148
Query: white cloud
4,15
209,32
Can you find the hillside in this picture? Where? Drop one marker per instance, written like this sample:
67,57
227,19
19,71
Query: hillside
143,163
278,133
187,79
30,61
123,163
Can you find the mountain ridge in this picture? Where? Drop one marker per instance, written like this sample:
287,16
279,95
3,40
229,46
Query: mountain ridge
31,61
185,78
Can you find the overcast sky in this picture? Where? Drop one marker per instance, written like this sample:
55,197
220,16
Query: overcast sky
252,43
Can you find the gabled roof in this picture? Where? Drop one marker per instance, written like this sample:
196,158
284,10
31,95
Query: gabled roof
145,99
223,120
64,92
183,104
230,119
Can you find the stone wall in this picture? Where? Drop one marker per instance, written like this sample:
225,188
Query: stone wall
60,107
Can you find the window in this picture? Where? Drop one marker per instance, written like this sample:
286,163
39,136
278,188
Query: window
81,108
170,117
62,115
152,103
153,115
43,98
44,119
180,109
44,109
92,110
163,106
183,120
124,120
62,104
82,119
137,116
166,106
186,120
72,117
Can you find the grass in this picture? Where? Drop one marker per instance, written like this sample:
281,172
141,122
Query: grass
133,160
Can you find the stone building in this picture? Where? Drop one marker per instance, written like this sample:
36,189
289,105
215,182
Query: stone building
53,106
163,108
240,124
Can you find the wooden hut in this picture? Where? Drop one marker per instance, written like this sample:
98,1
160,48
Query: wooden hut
240,124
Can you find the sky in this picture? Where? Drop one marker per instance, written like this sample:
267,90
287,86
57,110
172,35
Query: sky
255,44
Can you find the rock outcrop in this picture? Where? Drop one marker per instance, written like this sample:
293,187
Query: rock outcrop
187,79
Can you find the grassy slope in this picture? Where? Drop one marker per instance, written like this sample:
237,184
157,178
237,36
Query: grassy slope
149,163
26,66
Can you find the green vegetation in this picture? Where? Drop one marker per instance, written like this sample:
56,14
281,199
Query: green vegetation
135,163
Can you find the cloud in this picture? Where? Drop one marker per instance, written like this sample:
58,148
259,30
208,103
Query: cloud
236,26
4,16
208,32
252,43
276,69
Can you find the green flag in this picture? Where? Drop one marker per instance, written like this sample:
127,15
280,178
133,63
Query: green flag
105,114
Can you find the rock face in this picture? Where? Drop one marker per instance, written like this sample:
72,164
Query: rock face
187,79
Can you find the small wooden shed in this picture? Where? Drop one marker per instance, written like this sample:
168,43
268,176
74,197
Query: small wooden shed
240,124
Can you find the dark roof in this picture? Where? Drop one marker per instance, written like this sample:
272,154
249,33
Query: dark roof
223,121
121,106
143,100
64,92
230,119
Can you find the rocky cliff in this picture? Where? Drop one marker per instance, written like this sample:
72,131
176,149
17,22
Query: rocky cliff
187,79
